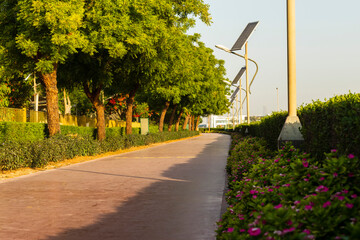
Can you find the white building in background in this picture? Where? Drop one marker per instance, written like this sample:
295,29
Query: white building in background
219,121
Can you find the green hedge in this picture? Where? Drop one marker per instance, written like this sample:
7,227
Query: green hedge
14,155
333,124
21,132
17,131
268,128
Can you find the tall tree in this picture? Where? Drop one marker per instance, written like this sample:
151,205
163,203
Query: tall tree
37,36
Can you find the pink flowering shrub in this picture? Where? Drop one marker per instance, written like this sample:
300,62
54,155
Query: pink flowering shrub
290,195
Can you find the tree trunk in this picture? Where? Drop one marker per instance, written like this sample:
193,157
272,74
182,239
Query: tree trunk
172,118
197,123
100,117
94,97
129,110
178,121
162,116
186,122
192,123
52,104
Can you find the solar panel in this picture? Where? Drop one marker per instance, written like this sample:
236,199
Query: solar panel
238,76
235,93
239,44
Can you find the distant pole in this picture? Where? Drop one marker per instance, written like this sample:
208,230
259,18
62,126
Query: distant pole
209,120
247,84
277,93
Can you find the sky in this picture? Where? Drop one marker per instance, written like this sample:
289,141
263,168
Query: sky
327,47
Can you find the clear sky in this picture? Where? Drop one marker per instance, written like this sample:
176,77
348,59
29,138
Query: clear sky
328,47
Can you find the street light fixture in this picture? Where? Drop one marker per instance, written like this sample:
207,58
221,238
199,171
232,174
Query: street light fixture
243,40
291,129
238,79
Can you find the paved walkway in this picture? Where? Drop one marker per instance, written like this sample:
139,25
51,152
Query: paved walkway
171,191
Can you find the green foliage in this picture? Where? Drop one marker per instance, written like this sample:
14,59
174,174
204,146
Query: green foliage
19,132
287,195
22,132
78,131
14,155
334,124
268,128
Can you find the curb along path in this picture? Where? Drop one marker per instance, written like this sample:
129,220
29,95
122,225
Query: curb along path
171,191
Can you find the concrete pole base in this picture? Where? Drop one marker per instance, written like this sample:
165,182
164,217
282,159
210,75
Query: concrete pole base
291,132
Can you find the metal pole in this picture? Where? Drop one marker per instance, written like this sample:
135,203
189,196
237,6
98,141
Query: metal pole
291,58
247,84
237,108
240,101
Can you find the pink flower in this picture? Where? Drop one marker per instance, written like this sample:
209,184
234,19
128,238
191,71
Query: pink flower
270,190
354,196
254,196
276,161
308,207
345,191
307,231
285,231
327,204
254,231
306,164
253,192
306,179
242,230
349,205
341,198
351,156
289,223
322,189
230,230
335,175
333,150
322,179
278,206
286,185
296,202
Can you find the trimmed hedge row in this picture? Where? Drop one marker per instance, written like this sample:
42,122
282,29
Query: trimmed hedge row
14,155
334,124
20,131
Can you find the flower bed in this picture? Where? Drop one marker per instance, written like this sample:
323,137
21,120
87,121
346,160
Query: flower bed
289,195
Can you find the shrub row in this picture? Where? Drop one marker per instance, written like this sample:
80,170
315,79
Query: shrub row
287,195
14,155
21,131
334,124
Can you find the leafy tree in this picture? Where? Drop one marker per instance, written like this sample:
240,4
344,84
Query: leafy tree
37,36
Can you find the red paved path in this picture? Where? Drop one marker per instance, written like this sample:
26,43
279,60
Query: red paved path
172,191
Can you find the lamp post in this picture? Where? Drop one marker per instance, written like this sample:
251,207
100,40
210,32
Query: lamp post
291,129
243,40
234,82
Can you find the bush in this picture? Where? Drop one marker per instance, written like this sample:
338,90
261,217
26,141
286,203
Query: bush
14,155
78,131
291,196
19,131
334,124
